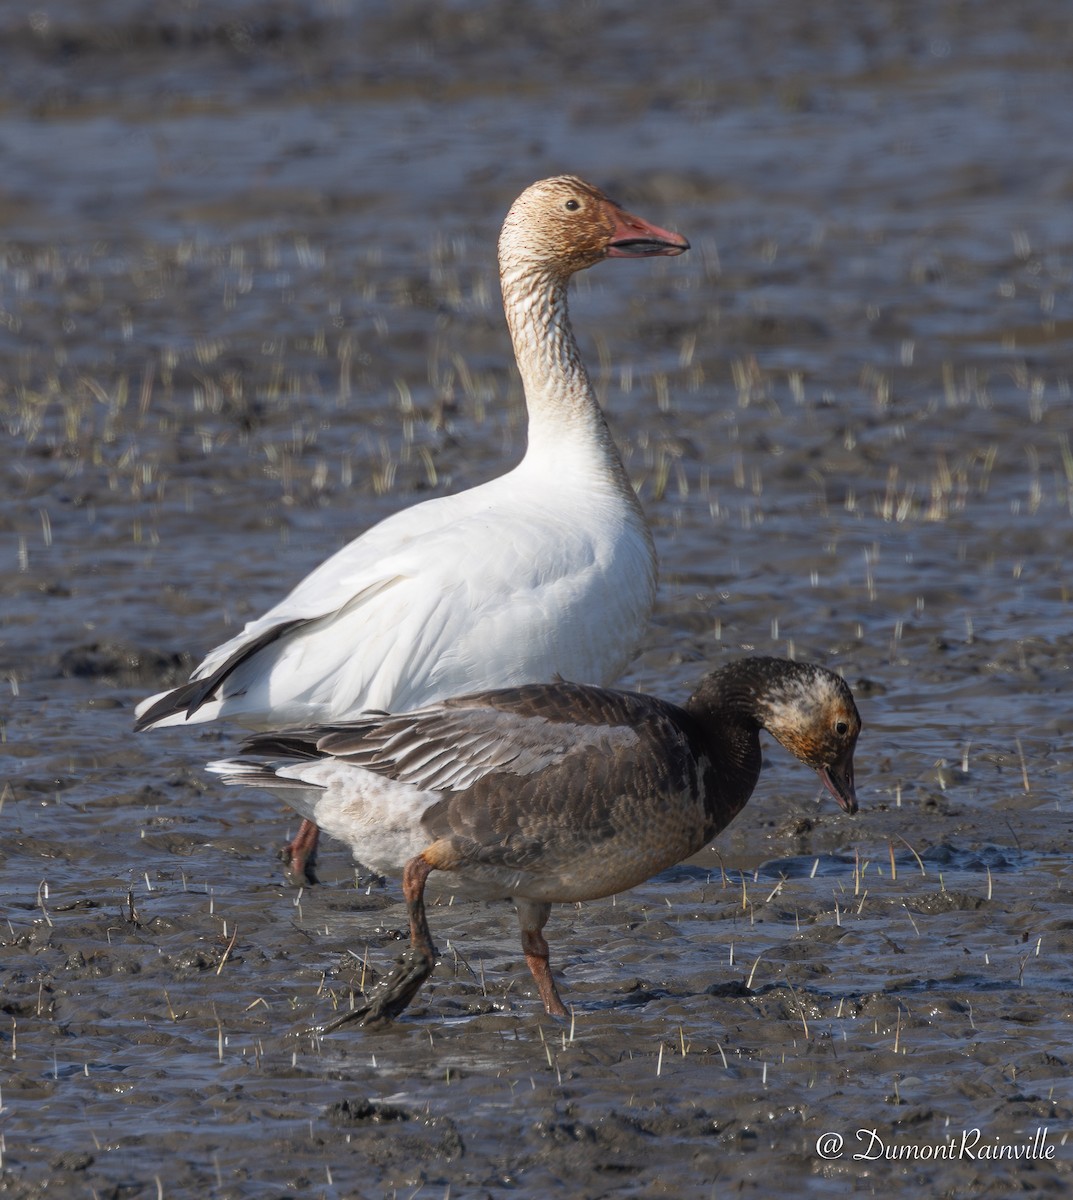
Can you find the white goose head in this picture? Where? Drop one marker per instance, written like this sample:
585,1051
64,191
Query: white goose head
562,225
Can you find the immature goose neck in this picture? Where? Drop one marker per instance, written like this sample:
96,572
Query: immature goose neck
734,768
725,707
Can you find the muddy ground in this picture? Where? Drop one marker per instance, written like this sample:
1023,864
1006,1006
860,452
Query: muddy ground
248,305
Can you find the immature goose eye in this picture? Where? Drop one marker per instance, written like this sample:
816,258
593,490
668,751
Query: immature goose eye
842,727
572,205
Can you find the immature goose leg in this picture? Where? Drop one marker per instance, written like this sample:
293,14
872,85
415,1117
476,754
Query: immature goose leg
393,993
532,918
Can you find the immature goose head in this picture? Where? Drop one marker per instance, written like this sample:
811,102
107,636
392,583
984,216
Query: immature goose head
805,707
550,793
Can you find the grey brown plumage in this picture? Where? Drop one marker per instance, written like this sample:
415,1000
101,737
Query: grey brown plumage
551,793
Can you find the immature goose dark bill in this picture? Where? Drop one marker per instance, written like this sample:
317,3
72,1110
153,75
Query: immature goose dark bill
546,571
549,793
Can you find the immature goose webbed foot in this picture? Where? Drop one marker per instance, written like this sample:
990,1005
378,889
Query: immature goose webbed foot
390,996
395,991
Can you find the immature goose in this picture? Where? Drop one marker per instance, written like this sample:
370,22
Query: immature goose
547,570
550,793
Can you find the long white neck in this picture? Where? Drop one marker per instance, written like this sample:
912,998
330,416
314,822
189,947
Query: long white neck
565,421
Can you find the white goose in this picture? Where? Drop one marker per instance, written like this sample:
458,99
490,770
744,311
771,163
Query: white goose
547,570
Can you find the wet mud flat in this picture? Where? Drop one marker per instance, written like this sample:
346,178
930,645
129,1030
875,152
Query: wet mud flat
724,1020
249,307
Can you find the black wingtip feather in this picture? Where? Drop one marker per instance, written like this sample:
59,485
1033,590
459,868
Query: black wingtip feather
187,696
193,694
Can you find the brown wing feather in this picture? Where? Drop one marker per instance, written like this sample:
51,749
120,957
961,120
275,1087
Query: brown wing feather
518,731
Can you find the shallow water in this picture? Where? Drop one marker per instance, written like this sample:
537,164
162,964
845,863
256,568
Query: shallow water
248,306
